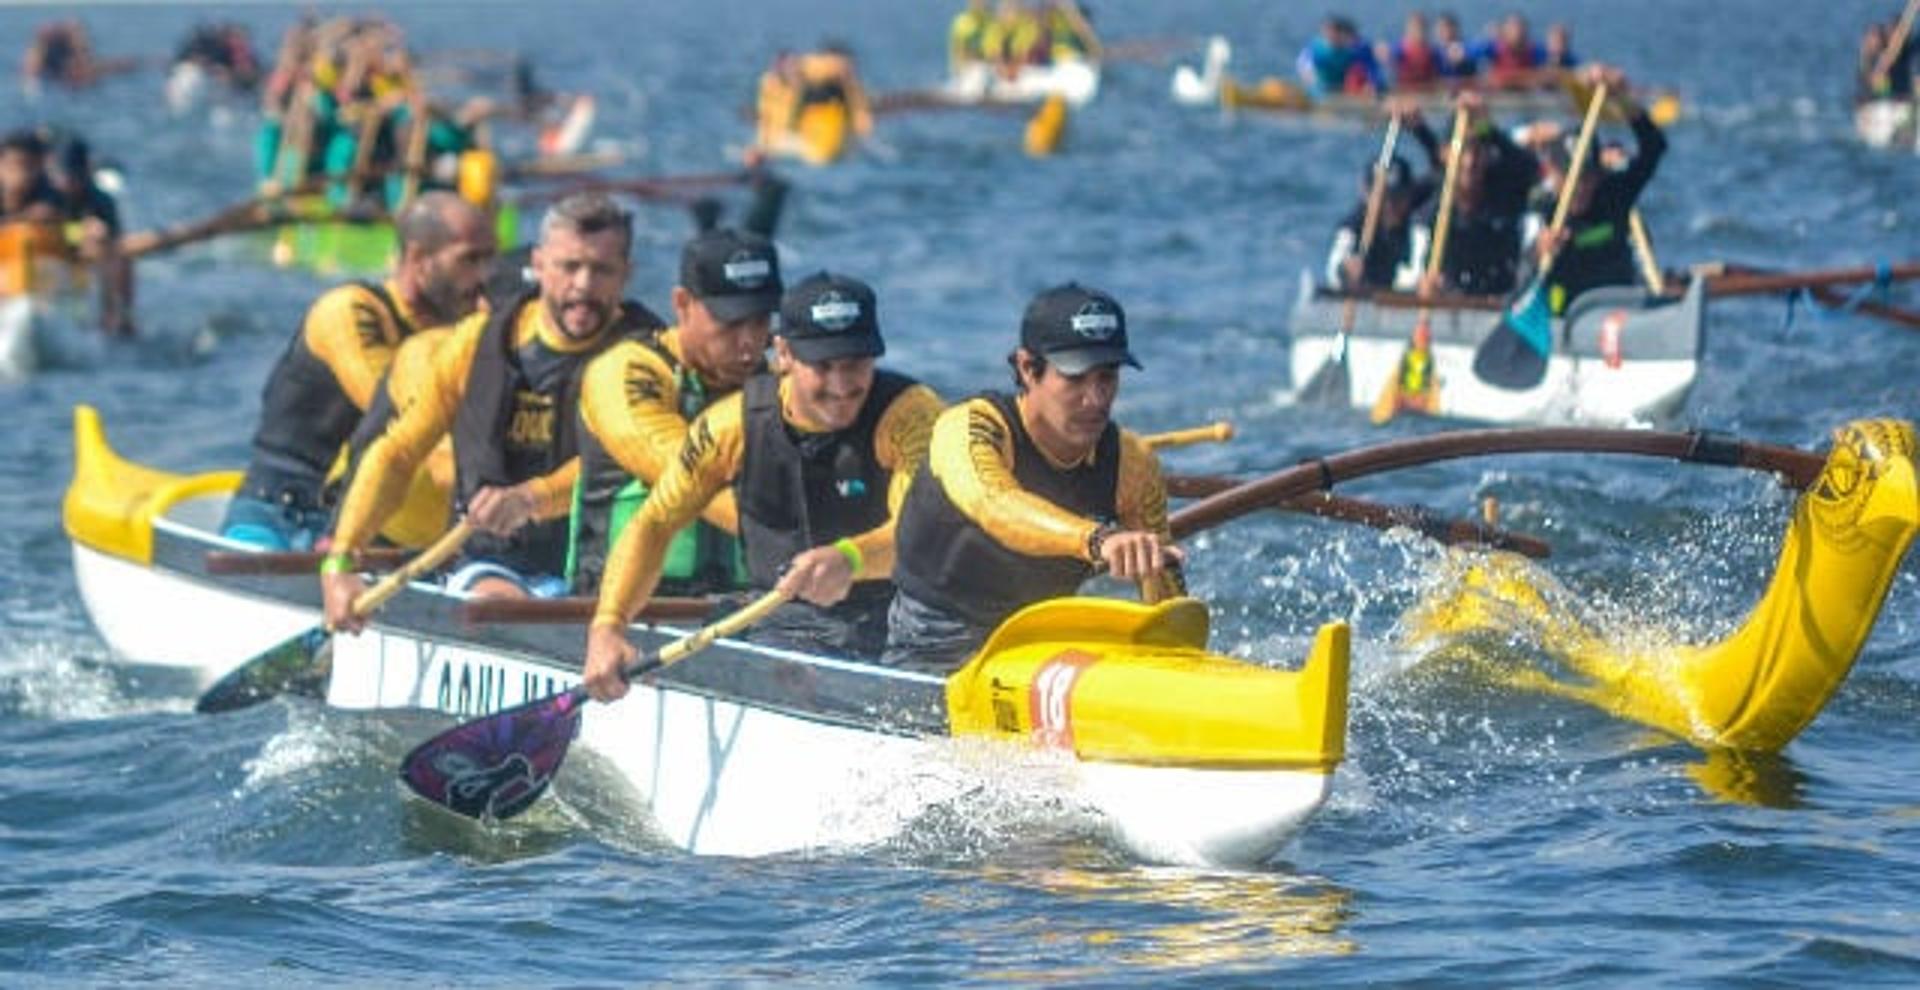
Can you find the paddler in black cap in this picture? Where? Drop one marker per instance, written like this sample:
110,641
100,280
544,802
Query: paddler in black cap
1024,497
818,460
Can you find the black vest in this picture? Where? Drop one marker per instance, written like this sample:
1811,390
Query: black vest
517,421
946,560
602,479
305,417
798,491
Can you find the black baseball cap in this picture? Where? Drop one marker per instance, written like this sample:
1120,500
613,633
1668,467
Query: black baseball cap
735,274
1076,329
827,316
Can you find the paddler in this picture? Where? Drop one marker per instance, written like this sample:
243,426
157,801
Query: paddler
93,217
1496,176
1596,248
1512,57
1413,58
818,459
1388,263
1896,83
62,53
1070,35
966,36
328,374
26,193
1017,37
1024,497
637,398
1339,61
506,385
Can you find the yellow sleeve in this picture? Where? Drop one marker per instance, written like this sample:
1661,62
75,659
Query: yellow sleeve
707,464
380,485
355,337
972,458
900,443
630,402
1141,504
553,491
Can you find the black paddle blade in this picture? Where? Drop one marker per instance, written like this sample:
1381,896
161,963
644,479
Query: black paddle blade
1514,355
495,767
1331,385
300,664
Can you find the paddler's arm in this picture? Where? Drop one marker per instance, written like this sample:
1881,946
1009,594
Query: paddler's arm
716,442
1142,505
705,466
350,333
900,445
629,402
380,485
972,457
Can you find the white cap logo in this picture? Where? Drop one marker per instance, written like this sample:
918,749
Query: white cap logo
1095,321
747,270
834,312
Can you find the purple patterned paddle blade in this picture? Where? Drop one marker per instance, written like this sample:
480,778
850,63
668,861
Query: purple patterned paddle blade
494,767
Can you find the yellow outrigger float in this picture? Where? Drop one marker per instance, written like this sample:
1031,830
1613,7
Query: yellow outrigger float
1760,686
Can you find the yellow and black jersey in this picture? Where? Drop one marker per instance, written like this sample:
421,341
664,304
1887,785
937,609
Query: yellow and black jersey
322,384
522,431
796,487
993,524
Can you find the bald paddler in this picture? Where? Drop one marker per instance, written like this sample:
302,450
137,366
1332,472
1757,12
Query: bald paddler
327,377
1025,496
639,396
506,386
818,460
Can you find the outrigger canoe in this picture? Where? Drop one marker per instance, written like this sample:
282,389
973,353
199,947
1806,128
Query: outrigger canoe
1757,688
1211,85
1186,755
324,242
1075,80
1620,357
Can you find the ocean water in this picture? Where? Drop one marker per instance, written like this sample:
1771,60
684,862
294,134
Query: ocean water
1477,835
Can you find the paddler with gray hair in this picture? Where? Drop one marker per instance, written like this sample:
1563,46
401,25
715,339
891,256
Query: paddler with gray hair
1026,496
818,460
506,387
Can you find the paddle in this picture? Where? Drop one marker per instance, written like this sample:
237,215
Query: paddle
1514,355
1452,532
1897,40
1800,468
497,765
1411,386
1331,384
415,161
300,663
1219,432
1643,249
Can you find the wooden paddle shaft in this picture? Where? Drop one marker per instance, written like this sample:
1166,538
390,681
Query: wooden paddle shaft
1800,468
1643,247
439,553
576,610
1219,432
1449,180
1377,190
1895,41
687,646
1338,507
1578,165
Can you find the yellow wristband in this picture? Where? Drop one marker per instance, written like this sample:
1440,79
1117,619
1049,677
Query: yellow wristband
851,551
336,563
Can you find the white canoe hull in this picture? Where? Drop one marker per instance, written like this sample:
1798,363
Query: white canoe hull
19,350
741,750
1077,82
1641,375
